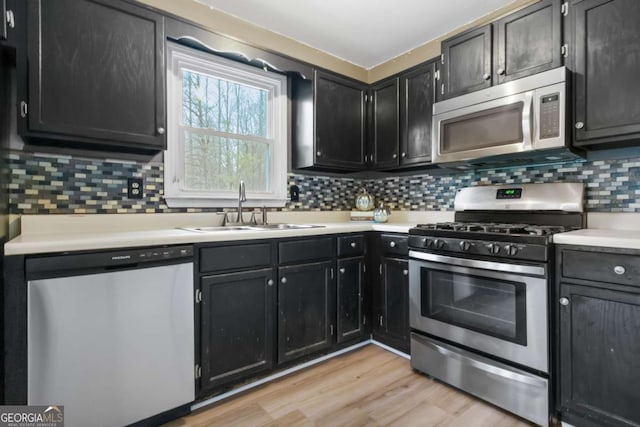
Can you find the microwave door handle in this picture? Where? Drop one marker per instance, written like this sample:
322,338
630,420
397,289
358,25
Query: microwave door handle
527,120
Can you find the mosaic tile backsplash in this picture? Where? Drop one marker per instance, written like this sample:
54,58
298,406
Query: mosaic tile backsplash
42,184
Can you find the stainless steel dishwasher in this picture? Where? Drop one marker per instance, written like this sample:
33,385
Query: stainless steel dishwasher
111,334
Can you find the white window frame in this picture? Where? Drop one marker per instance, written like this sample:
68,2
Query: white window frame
176,195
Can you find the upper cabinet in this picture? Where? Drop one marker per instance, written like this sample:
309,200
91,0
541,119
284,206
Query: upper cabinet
417,95
400,118
466,62
603,37
528,41
523,43
95,75
384,120
328,119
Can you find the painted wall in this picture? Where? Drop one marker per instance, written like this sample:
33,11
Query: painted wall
238,29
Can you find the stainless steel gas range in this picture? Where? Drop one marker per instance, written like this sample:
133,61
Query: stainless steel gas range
479,292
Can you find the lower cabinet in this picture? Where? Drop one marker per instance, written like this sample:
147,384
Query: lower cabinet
598,344
350,315
306,309
391,293
237,326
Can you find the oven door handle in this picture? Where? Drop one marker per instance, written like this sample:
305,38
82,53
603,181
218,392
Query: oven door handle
474,263
510,375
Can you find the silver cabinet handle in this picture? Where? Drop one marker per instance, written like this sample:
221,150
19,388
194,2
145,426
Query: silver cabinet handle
160,131
395,156
342,270
353,244
11,22
618,269
392,244
486,76
564,301
330,329
318,153
501,71
283,280
579,125
405,272
270,282
404,155
380,320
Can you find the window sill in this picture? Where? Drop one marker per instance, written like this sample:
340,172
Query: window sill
194,202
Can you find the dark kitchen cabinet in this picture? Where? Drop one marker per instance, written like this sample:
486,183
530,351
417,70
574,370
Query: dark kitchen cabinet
328,116
350,299
521,44
306,309
598,336
466,62
417,95
353,302
391,292
385,124
528,41
237,326
98,80
7,22
603,38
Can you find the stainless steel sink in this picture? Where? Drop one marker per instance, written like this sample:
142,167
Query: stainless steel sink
285,226
251,227
218,228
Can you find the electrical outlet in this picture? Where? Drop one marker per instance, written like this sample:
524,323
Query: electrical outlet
135,188
294,192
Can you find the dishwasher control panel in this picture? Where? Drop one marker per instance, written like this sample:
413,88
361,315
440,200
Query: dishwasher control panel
154,254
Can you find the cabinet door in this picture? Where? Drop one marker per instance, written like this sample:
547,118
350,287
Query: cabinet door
391,303
306,309
237,321
350,298
416,112
466,62
385,127
606,63
3,20
99,78
528,41
599,347
339,122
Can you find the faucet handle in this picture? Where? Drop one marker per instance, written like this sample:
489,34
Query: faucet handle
264,215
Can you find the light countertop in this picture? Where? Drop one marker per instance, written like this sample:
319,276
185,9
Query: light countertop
629,239
42,234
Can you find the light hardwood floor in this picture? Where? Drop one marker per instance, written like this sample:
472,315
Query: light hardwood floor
367,387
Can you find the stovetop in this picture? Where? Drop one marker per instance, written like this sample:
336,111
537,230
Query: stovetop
497,228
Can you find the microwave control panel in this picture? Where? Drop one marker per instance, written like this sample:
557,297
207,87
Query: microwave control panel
550,116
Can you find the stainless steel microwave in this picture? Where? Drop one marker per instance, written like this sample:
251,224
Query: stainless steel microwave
520,118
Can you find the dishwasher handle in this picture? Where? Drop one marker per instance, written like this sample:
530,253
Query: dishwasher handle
59,265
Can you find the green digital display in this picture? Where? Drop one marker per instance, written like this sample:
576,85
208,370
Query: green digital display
509,193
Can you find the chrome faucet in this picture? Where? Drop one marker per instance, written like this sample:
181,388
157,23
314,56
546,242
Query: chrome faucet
242,197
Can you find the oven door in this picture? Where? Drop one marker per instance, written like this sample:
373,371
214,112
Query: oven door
496,308
490,128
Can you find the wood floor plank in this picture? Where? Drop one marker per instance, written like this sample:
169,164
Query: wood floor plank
367,387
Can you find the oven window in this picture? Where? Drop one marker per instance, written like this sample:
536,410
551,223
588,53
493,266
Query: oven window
490,306
488,128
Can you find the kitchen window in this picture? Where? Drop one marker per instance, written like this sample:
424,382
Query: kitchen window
226,123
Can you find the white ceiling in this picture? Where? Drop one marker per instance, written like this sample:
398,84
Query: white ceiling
364,32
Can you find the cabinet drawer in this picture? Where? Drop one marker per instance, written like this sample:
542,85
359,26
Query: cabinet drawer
350,245
296,251
602,267
395,244
235,257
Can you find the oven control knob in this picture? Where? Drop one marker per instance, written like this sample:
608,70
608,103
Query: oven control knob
465,246
493,248
511,250
438,244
